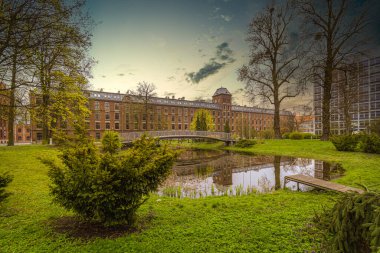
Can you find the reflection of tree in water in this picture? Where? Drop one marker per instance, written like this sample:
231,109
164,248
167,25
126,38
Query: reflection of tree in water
327,171
299,166
277,172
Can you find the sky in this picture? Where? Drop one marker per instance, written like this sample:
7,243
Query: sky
187,48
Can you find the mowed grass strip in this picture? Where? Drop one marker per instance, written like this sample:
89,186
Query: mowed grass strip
272,222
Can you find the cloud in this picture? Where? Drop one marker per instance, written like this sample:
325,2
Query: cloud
120,74
171,78
223,56
209,69
226,18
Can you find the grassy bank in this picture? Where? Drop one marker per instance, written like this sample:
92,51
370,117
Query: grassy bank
273,222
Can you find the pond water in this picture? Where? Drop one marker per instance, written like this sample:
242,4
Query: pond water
199,173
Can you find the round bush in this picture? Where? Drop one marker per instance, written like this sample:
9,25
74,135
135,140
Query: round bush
296,136
285,136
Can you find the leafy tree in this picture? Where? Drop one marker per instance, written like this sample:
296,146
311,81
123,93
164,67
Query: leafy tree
109,187
5,179
202,121
274,63
111,142
227,127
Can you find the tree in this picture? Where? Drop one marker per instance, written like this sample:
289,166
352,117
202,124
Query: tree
336,34
144,93
37,39
202,121
109,188
348,91
274,60
227,127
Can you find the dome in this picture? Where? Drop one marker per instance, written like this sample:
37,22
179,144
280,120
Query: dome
222,91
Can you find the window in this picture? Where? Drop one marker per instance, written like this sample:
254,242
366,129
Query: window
108,125
97,116
106,106
117,116
117,125
19,130
107,116
127,121
97,136
173,127
185,126
96,105
144,126
97,125
19,138
117,106
39,136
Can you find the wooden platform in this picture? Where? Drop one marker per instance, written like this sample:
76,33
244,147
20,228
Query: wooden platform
320,184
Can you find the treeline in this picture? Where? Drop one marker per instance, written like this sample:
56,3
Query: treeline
44,58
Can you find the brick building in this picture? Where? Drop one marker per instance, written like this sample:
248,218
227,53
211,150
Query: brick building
126,113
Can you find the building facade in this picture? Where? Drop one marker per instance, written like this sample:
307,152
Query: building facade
127,113
366,105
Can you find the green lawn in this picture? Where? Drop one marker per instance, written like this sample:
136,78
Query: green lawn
272,222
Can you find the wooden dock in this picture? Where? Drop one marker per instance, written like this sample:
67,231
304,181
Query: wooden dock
320,184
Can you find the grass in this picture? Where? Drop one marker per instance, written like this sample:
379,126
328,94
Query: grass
272,222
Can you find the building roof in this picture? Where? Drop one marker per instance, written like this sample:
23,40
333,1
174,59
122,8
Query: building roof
221,91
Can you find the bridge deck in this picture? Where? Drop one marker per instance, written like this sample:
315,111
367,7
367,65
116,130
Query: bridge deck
321,184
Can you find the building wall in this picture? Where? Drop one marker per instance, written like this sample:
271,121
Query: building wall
121,113
367,105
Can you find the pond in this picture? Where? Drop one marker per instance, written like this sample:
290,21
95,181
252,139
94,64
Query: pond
200,173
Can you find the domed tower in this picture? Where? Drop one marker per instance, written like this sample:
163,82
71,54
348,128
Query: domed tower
222,97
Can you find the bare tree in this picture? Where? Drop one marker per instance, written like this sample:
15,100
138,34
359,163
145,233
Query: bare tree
348,91
144,93
274,61
336,35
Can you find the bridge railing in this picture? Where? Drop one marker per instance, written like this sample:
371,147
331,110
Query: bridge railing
130,136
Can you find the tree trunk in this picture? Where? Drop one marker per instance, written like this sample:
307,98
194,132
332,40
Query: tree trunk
276,121
277,172
347,120
326,104
12,103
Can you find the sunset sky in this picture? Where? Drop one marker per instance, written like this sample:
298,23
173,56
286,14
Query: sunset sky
186,48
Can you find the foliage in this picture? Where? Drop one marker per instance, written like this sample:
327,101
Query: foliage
202,121
5,179
371,143
308,136
353,223
374,127
245,143
106,188
285,135
227,127
111,142
346,142
296,136
266,134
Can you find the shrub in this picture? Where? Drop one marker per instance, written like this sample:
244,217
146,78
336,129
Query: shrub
353,224
109,187
346,142
245,143
267,134
5,179
371,144
285,135
111,142
308,136
295,136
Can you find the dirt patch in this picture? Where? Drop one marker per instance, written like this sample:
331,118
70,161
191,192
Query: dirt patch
89,230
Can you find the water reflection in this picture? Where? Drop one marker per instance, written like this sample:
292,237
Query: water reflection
200,173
